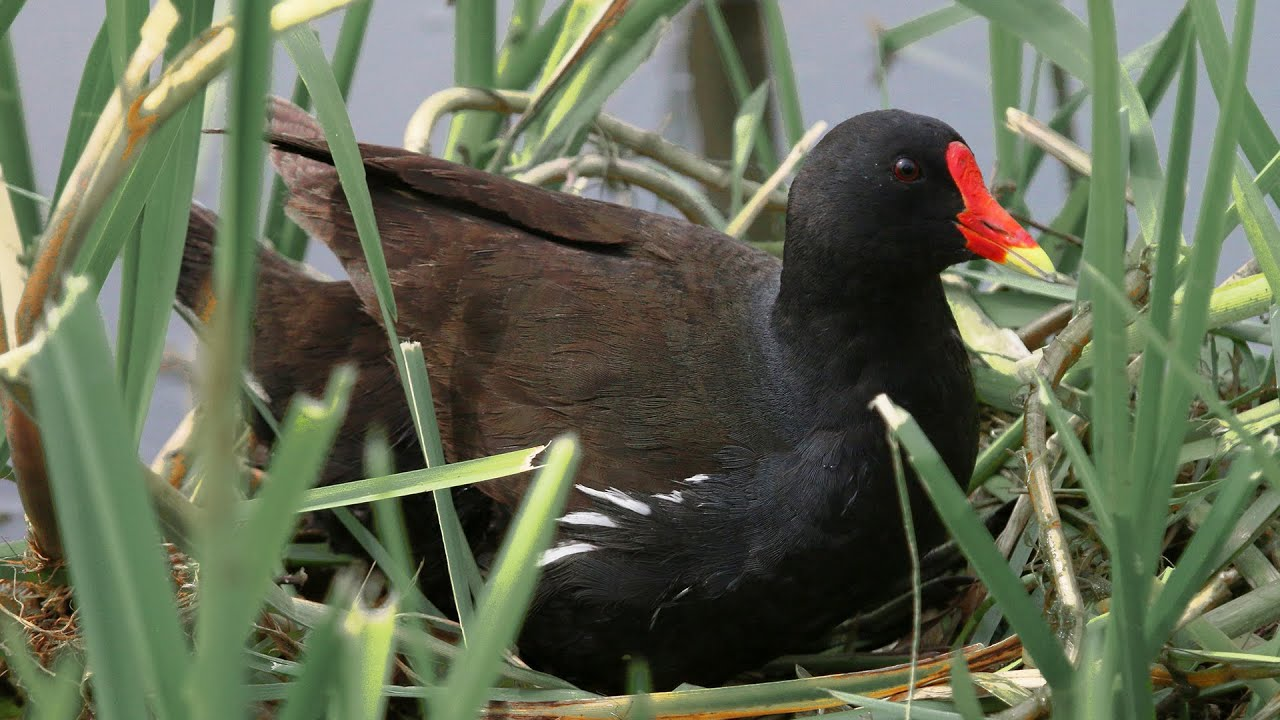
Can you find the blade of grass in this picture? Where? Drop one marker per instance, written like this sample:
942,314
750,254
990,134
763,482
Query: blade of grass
464,574
1212,639
351,36
389,520
973,538
736,73
1110,432
474,65
122,212
9,10
236,577
505,599
596,77
284,234
314,70
746,128
1005,53
65,701
217,688
124,598
639,686
1197,561
888,709
1267,181
1193,314
30,674
586,24
1053,29
299,456
755,205
96,85
416,481
1273,319
923,26
368,632
1165,60
784,73
1061,292
288,238
913,549
124,20
1259,226
963,693
523,53
381,557
13,275
15,148
322,656
1256,137
150,273
994,456
1150,420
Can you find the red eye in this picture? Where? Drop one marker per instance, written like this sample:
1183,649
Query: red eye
906,170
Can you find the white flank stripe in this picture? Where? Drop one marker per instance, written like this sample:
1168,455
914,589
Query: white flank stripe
256,388
564,550
588,518
697,479
619,498
673,496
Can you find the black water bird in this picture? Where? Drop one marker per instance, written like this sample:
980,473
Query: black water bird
735,498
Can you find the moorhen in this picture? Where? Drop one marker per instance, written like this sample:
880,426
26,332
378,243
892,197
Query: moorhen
735,499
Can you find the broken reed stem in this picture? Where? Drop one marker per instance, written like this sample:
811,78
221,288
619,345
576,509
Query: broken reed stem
134,112
1058,357
745,217
692,204
1035,333
1054,143
417,136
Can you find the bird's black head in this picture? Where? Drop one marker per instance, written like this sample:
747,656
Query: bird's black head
894,196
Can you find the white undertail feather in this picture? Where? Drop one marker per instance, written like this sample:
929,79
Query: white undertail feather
564,550
589,518
619,498
674,496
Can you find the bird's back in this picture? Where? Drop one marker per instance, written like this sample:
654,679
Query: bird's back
540,312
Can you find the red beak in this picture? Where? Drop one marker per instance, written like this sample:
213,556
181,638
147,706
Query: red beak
988,229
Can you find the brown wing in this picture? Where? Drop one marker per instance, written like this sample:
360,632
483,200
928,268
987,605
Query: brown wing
541,312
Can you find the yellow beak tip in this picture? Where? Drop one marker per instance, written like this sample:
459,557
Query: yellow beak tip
1032,261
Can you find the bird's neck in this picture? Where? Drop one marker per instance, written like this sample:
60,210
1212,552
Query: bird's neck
838,336
841,356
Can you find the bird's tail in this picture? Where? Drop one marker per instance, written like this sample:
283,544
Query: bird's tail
195,282
195,287
279,279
